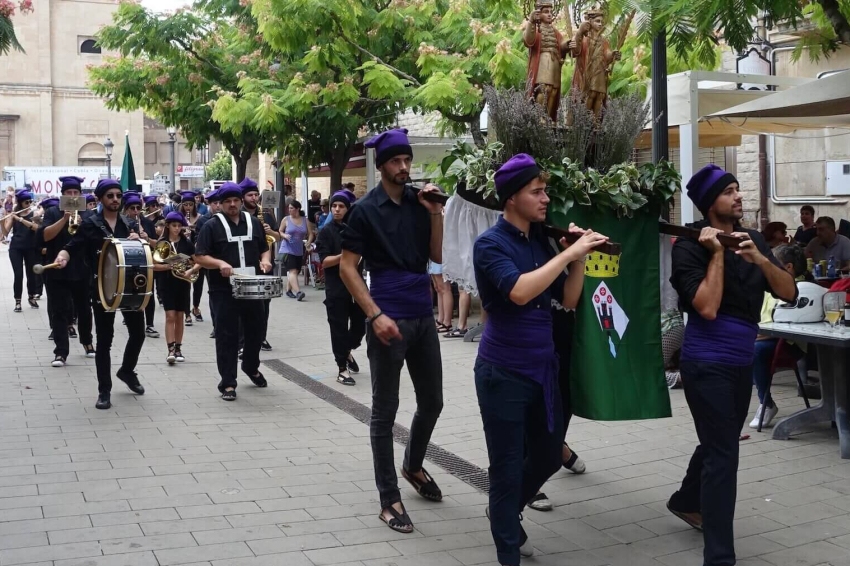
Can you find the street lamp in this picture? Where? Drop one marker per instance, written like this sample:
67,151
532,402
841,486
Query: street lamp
172,139
108,145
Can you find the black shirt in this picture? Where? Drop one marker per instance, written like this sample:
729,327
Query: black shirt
76,269
805,235
313,208
744,284
22,237
88,240
212,241
329,243
389,235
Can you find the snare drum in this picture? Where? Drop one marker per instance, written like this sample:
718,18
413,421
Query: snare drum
125,275
257,287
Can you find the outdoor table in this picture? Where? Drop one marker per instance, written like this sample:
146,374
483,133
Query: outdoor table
833,362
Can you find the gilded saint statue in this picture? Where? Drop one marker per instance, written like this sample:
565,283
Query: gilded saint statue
594,58
546,51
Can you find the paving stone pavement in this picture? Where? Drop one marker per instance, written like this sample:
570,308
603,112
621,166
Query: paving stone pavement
280,477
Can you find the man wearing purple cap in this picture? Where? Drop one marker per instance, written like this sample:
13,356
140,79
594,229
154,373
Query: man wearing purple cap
87,243
251,205
345,317
722,291
23,253
214,208
234,244
518,274
132,208
67,289
396,231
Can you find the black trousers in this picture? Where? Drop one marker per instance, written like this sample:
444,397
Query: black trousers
420,349
22,261
150,310
212,310
719,398
347,322
563,326
230,315
67,298
104,323
523,453
198,288
266,311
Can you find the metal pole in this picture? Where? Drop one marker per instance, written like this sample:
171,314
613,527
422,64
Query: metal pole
278,185
173,166
660,140
108,167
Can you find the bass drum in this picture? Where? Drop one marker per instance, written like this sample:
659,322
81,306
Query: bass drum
125,275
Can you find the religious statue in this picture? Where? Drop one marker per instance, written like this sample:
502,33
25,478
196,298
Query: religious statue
546,51
594,58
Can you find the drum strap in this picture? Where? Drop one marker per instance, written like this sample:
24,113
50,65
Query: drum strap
239,240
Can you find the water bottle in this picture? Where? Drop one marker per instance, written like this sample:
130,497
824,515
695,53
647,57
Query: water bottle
818,271
830,267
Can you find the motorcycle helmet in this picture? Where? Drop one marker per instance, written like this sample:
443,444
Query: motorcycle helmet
807,308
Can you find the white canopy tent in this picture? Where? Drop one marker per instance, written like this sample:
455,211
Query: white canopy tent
707,110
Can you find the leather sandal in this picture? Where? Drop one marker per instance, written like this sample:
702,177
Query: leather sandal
400,522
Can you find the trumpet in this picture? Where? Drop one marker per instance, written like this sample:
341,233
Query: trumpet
74,224
164,252
270,241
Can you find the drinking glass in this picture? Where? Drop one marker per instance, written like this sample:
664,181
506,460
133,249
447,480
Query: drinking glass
833,308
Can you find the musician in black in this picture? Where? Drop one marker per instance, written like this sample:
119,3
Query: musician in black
251,205
86,243
22,249
234,243
345,317
176,290
147,218
68,290
214,207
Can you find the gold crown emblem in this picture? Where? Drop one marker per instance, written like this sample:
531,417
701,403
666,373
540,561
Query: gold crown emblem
600,265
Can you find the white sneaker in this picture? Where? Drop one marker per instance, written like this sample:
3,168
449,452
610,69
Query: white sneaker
768,416
526,550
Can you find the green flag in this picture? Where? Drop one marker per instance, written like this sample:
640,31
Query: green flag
128,171
617,368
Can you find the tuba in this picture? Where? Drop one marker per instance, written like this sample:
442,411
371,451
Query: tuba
164,252
269,239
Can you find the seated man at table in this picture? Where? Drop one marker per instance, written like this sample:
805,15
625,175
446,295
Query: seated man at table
829,243
794,260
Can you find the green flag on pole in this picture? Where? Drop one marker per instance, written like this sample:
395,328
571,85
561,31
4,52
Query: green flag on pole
128,170
617,368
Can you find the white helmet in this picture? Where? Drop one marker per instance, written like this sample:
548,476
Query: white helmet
807,308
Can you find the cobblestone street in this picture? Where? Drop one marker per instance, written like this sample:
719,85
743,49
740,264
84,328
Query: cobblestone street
283,477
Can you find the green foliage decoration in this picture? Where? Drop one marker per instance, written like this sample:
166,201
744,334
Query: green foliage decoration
220,168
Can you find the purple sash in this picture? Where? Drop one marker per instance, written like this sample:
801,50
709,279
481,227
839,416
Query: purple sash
523,344
402,294
724,340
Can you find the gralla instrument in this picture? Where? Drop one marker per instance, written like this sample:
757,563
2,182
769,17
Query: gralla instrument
125,275
256,287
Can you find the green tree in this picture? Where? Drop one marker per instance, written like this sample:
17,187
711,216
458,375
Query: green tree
175,67
8,37
220,168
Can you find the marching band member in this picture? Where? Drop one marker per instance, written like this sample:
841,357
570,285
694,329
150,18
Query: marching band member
516,373
91,202
22,249
189,209
86,243
150,215
214,207
68,290
396,231
234,244
722,291
345,317
41,249
251,197
176,291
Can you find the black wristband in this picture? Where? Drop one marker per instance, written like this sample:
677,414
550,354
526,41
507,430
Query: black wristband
371,319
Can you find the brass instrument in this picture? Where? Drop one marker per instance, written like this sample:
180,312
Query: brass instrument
270,240
164,253
74,224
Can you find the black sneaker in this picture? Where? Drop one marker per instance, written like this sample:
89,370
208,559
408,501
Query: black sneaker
103,401
18,306
58,362
188,321
265,346
344,378
72,332
352,364
259,380
229,395
132,381
151,332
90,353
50,337
199,317
290,294
300,296
212,334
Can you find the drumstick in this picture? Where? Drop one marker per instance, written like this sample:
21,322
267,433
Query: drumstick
38,269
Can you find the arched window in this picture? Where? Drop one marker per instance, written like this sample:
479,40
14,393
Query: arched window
90,46
91,154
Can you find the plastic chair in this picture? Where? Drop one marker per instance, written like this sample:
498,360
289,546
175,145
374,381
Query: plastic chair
785,356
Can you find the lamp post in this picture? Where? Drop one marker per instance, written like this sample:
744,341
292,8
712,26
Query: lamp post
172,139
107,146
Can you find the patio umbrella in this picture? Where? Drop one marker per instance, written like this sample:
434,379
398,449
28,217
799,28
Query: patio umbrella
128,171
